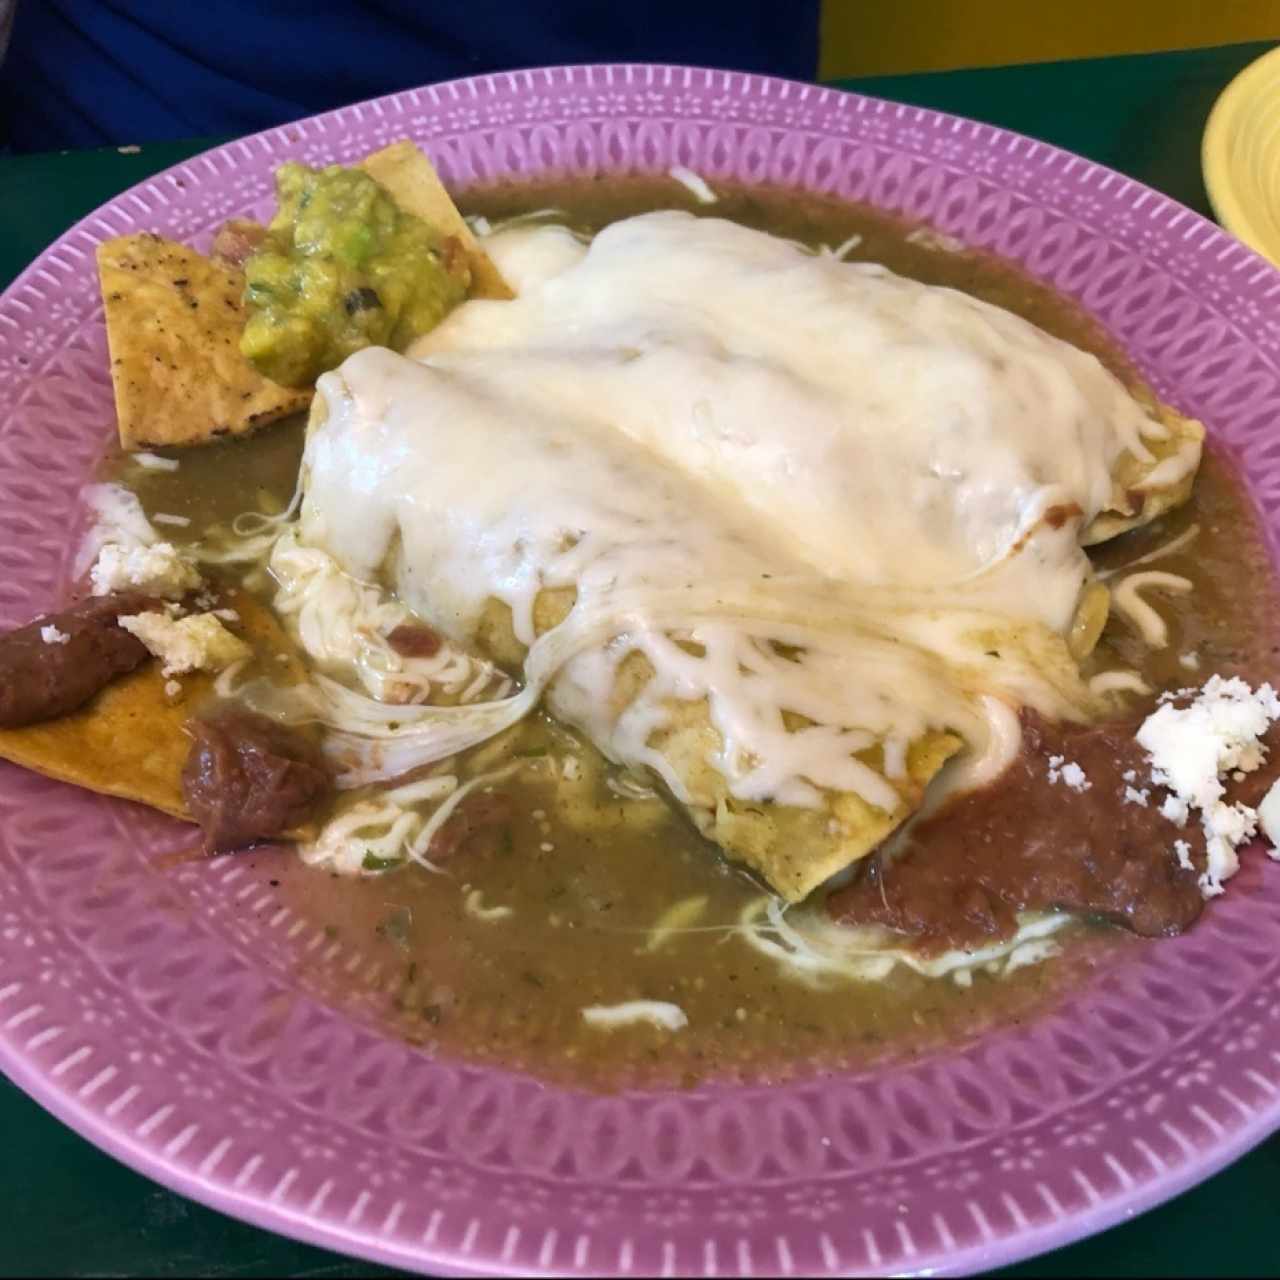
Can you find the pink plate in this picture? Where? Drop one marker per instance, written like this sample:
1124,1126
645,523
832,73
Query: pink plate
170,1019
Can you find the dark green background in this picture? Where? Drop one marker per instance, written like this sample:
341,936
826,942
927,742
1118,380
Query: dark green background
69,1210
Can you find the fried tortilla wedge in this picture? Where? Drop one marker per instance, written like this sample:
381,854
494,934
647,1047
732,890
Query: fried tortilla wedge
792,849
173,330
174,319
412,182
1145,490
130,741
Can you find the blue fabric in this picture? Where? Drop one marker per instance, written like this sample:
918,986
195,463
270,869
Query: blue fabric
84,73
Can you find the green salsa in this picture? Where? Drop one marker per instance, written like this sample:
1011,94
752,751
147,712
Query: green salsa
342,267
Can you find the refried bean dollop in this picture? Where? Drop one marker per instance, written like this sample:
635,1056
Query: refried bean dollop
249,778
1027,842
54,665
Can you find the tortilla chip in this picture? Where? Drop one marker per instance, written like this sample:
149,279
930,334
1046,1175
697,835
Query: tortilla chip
412,182
131,740
1144,491
795,850
173,328
792,849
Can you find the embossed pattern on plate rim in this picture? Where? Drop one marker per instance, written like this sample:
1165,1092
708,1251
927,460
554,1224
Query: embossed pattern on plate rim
129,1006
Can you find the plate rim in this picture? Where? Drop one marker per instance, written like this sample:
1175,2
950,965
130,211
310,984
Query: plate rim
151,1161
321,1233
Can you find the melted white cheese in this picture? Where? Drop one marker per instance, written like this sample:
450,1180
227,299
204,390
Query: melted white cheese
343,626
885,430
711,434
810,948
657,1013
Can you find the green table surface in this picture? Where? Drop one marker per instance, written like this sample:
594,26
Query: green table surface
74,1211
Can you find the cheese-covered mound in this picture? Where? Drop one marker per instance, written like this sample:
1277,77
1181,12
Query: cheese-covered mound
841,507
882,430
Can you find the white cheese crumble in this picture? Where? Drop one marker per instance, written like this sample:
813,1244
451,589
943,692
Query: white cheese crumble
1183,852
1068,773
1190,660
51,635
1193,748
196,643
117,517
172,688
1074,776
159,570
123,551
1269,818
657,1013
1134,795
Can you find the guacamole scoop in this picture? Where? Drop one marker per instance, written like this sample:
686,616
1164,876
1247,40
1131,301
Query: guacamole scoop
341,268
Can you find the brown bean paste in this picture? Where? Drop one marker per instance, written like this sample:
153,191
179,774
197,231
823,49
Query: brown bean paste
1030,842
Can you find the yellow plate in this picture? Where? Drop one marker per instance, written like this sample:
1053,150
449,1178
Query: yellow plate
1240,156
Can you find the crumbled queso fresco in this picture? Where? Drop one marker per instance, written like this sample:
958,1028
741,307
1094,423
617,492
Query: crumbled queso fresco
198,642
1193,748
51,635
1069,773
159,570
